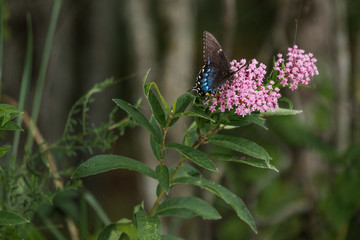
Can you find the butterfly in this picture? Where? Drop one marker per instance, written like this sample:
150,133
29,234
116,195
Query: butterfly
216,70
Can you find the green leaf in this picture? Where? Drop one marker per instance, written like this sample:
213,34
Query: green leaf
195,112
149,227
162,175
11,126
191,135
3,150
8,112
242,145
180,106
156,108
139,118
230,198
280,112
116,230
104,163
248,160
110,232
288,101
187,207
147,87
194,155
156,127
239,121
155,147
9,218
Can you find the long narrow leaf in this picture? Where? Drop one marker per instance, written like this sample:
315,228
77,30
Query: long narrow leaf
194,155
242,145
162,175
230,198
248,160
245,121
25,81
147,87
104,163
139,118
187,207
180,106
42,71
281,112
156,109
155,146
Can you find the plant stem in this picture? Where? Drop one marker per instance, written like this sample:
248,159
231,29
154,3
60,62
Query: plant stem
1,41
42,72
165,130
24,89
202,139
112,127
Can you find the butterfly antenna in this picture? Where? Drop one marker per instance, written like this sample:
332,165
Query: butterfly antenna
233,73
297,20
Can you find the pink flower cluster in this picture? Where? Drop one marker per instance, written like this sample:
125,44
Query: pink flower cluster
298,68
247,92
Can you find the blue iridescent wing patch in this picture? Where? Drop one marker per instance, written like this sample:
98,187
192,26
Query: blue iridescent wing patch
216,70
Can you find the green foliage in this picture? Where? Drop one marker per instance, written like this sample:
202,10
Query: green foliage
90,137
187,207
230,198
241,145
194,155
139,118
3,150
123,229
26,192
162,174
7,113
203,130
104,163
41,193
9,218
148,227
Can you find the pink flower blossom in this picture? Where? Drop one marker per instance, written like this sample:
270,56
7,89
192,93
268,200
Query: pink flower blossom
248,91
297,69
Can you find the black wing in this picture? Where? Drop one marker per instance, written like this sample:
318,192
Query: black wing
214,55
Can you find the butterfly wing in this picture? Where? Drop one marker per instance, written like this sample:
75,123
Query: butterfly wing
214,54
216,70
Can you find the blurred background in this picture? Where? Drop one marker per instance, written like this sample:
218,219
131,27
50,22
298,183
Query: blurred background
316,194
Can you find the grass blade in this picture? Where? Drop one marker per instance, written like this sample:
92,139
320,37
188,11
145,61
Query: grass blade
42,72
24,88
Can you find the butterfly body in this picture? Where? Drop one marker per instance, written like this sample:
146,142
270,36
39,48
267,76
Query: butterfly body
216,70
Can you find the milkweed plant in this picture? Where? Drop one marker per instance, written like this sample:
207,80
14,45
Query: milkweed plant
249,97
